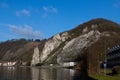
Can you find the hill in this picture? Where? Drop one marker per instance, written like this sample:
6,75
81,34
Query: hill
87,42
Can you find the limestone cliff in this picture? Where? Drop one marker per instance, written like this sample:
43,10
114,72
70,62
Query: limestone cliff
52,44
36,57
91,38
76,45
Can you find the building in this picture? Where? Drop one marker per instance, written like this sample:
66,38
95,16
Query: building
113,57
69,64
7,63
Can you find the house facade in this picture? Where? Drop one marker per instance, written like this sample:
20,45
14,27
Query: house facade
69,64
113,56
7,63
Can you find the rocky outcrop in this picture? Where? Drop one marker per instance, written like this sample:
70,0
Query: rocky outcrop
76,45
36,57
52,44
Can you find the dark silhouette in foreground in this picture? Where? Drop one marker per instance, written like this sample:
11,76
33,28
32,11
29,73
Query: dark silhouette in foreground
81,68
81,75
115,71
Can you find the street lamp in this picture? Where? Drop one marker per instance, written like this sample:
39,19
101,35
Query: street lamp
105,67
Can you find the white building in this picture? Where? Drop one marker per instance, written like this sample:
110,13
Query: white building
69,64
7,63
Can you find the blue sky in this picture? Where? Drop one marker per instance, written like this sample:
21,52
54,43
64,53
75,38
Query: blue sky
45,18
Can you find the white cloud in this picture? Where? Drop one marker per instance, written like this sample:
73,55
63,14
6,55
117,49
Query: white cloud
25,31
4,5
23,12
50,9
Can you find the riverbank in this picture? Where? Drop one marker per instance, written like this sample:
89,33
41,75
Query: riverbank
105,77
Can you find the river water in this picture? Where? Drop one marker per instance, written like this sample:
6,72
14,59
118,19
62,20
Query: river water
36,73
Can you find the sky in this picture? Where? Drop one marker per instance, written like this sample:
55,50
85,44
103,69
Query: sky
38,19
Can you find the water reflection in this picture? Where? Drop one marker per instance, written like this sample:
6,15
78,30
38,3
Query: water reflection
14,73
80,75
51,74
37,73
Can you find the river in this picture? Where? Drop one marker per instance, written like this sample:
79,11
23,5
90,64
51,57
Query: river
41,73
36,73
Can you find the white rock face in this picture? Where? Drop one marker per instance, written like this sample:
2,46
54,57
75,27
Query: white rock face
83,40
85,30
107,34
94,26
71,48
36,57
64,36
77,44
52,44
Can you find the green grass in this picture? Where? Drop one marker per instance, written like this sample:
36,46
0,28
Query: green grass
101,76
105,77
